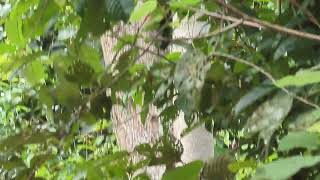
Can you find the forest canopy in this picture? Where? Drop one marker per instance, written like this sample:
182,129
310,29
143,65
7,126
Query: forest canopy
250,77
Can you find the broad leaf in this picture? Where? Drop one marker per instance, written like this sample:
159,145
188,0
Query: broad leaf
305,120
300,79
268,117
189,171
284,168
252,96
299,140
183,3
35,73
119,9
141,11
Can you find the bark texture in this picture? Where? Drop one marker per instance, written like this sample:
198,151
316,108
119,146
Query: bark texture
129,131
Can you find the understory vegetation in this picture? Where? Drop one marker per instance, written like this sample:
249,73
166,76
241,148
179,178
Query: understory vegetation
252,80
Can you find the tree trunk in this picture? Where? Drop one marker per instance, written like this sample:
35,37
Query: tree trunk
129,131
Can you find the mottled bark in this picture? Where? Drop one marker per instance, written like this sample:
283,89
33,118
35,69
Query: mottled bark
129,131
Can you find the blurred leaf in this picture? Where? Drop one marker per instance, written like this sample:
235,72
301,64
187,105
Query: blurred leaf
95,20
142,10
119,9
183,3
91,56
300,79
35,73
236,166
269,116
252,96
299,140
14,31
46,10
13,143
7,48
305,120
190,171
67,94
314,128
284,168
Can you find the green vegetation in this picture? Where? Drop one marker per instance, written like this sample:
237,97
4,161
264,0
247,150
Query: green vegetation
253,80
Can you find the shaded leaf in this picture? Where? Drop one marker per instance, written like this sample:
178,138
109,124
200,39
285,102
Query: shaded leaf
305,120
269,116
13,143
119,9
252,96
91,56
45,12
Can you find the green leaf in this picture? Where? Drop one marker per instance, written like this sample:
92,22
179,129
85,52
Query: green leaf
236,166
67,93
285,168
61,3
299,140
305,120
269,116
7,48
252,96
95,20
300,79
35,73
173,56
183,3
119,9
28,136
91,56
141,11
189,171
13,29
46,11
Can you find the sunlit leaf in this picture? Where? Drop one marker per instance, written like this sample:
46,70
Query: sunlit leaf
300,79
286,167
189,171
299,140
35,73
142,10
183,3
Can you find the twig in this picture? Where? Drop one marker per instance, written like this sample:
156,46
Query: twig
254,22
268,75
306,12
266,24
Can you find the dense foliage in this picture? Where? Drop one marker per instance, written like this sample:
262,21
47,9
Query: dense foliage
253,80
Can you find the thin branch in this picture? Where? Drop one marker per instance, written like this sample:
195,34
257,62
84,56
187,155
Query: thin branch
268,75
306,12
257,23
